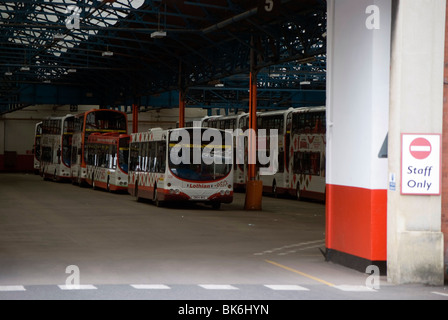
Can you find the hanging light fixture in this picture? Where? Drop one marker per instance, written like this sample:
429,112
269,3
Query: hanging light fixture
107,53
159,34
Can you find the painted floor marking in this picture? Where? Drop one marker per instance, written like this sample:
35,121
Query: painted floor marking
286,288
351,288
301,273
440,293
300,249
12,288
77,287
150,287
276,250
218,287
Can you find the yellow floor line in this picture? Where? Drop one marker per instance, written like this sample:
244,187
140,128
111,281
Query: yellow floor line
301,273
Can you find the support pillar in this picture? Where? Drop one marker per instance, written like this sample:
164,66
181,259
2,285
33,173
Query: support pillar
181,109
135,118
357,124
415,240
182,93
254,187
252,143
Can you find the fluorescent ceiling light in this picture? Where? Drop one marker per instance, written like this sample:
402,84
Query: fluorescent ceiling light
108,54
25,69
158,34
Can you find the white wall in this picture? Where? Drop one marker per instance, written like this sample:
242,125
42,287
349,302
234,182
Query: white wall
19,126
357,94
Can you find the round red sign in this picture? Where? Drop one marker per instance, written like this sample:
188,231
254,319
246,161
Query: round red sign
420,148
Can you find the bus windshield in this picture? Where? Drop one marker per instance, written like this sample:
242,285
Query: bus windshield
106,121
215,164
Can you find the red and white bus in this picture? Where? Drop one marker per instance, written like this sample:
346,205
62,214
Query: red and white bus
56,140
301,150
107,161
87,123
154,173
307,153
232,123
37,147
279,182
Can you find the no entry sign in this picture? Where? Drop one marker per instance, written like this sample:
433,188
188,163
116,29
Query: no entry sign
420,148
420,164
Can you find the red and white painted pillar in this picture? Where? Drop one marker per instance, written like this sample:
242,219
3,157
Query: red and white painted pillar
358,119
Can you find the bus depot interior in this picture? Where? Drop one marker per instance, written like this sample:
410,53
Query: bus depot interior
286,192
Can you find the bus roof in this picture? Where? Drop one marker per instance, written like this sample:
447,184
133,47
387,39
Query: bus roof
158,134
310,109
59,117
276,113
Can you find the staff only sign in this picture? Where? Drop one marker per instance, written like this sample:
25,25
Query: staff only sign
420,164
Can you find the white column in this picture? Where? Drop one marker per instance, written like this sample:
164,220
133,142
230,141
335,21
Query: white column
358,111
415,241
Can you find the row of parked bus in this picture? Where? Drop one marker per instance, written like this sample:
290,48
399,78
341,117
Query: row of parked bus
301,144
94,149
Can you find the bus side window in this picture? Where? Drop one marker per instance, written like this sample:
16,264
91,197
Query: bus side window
152,156
161,156
74,155
133,163
140,158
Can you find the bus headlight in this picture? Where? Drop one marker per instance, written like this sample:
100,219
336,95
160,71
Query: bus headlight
228,192
222,192
177,191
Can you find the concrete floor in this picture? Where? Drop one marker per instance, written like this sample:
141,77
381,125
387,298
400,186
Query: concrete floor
115,241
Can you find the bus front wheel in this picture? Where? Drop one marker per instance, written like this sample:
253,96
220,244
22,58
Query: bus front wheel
298,194
274,189
137,198
94,183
